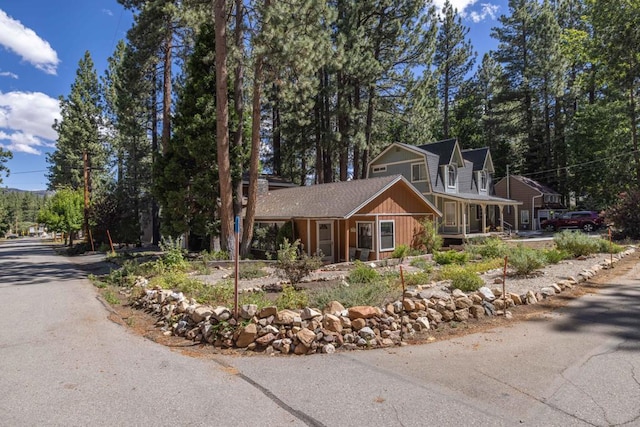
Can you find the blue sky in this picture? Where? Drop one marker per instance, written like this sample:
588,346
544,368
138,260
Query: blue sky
41,42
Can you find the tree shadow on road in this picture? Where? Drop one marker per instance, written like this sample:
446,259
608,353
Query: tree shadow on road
28,262
616,311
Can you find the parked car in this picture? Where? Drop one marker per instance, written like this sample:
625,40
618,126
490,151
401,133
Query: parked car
11,236
584,220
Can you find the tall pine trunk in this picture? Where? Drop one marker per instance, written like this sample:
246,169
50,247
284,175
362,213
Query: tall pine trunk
222,127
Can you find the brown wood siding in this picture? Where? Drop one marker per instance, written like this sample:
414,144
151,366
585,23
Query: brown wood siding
520,192
398,199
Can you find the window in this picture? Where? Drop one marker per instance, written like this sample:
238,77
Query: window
365,235
387,238
483,180
418,172
451,176
450,213
524,216
378,169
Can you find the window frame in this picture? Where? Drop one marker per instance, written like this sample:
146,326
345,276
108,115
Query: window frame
483,181
358,224
452,176
381,237
524,219
421,168
378,169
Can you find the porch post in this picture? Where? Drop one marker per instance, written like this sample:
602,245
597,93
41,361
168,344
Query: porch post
346,240
376,238
465,218
515,220
309,237
502,218
484,218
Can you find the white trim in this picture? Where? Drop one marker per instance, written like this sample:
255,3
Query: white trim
481,174
393,235
447,169
378,169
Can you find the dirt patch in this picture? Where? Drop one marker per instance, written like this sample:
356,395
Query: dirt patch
144,324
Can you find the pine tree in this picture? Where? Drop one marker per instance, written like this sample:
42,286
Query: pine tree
5,155
454,58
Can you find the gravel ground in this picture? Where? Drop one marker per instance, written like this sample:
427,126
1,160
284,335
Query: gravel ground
548,275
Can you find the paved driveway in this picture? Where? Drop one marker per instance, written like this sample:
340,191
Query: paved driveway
64,363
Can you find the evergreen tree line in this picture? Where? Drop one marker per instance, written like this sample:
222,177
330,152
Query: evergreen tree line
204,91
19,211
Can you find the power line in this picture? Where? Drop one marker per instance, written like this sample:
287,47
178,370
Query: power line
24,172
613,157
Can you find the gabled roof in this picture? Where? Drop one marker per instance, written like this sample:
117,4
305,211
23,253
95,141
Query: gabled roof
534,184
480,157
333,200
447,150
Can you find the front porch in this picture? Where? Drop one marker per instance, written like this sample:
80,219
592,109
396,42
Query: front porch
469,217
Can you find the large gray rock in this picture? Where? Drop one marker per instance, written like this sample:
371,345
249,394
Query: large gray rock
367,333
487,294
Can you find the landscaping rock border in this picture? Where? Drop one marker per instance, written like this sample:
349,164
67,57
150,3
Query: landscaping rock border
311,330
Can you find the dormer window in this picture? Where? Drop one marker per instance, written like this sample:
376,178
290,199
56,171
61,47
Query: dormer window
483,179
451,176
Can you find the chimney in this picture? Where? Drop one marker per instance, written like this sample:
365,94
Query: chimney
263,186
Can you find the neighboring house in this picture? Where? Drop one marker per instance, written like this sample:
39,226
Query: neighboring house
365,219
539,202
458,182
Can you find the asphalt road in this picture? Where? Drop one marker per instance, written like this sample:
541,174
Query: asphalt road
62,362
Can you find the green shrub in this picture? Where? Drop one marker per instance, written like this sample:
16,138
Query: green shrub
422,264
291,298
625,215
110,297
401,252
429,238
214,256
554,256
526,260
461,278
489,248
418,278
173,255
450,257
362,273
485,265
576,243
374,294
294,264
604,247
251,270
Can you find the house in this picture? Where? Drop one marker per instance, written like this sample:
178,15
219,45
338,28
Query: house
539,202
365,219
457,182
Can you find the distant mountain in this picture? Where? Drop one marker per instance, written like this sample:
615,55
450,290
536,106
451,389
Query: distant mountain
40,193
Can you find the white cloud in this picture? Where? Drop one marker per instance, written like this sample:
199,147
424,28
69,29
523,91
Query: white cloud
27,44
460,5
107,12
8,74
488,10
26,119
